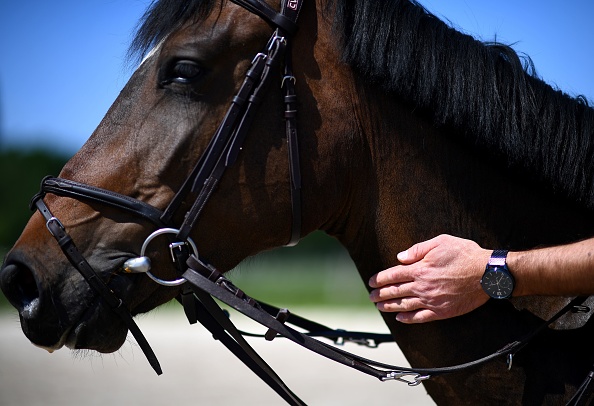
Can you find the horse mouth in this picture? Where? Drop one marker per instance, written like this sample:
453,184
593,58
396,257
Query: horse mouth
81,335
67,312
97,329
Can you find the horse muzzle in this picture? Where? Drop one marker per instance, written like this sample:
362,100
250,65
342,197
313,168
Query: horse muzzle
39,320
62,312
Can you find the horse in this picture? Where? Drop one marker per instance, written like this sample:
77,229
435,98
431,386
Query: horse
407,129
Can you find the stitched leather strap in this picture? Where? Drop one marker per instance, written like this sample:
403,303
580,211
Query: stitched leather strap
268,14
79,191
227,141
80,263
211,316
203,277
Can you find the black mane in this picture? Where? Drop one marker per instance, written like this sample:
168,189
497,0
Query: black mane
483,91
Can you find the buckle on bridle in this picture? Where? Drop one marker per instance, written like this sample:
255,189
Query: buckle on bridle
366,342
289,78
400,376
277,39
179,246
57,222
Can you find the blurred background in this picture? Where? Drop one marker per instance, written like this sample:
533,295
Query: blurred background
63,63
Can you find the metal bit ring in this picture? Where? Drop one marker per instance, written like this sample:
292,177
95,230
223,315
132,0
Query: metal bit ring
175,282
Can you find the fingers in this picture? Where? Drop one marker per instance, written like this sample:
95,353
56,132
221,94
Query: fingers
437,279
401,304
418,316
389,292
390,276
410,310
418,251
398,274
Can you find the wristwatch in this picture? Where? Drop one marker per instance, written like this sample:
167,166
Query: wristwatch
497,280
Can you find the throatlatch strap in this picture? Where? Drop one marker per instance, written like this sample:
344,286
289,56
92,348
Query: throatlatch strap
290,100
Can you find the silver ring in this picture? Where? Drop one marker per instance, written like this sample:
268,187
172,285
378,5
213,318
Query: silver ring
157,233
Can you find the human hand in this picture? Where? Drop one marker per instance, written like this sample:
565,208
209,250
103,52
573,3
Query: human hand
438,279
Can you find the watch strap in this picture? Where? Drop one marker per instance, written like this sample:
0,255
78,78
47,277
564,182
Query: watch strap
498,258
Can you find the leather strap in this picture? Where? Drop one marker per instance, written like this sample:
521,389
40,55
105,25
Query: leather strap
80,263
203,277
215,147
79,191
216,321
224,147
290,99
268,14
583,395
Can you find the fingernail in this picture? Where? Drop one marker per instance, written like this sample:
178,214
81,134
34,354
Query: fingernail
402,256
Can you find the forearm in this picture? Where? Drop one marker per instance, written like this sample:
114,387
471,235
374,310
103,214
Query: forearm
560,270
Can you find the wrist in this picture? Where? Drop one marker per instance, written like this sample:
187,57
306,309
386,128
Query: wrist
514,261
528,274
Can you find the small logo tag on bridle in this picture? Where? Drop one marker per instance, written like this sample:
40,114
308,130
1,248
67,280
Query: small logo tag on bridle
292,4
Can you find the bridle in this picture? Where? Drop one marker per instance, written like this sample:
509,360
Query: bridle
200,280
221,153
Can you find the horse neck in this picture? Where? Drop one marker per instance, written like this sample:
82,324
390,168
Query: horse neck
416,182
371,211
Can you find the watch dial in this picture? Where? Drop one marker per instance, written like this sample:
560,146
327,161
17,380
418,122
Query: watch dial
497,283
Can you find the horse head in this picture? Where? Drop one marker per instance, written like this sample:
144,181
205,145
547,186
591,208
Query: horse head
145,147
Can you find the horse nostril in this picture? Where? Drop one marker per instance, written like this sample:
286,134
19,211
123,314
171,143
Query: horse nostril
19,286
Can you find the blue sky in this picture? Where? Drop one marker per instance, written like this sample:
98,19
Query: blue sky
62,62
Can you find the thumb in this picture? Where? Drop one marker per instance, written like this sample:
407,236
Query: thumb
417,251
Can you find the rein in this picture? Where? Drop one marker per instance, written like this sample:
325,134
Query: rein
201,281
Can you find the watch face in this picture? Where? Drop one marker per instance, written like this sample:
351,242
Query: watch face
498,283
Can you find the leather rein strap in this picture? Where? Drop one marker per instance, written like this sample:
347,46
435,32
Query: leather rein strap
205,278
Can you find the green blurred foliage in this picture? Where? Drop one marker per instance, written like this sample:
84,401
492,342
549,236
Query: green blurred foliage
317,272
21,172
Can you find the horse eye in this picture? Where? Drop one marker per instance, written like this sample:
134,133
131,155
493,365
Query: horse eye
182,71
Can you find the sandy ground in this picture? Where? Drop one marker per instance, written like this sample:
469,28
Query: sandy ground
197,369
